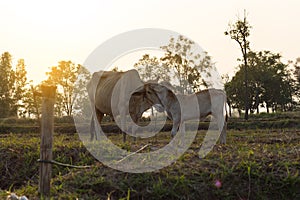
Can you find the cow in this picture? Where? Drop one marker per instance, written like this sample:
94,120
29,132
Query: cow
110,93
210,102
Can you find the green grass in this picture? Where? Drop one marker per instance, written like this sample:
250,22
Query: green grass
255,164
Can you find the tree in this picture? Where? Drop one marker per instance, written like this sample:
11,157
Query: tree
240,31
32,101
297,77
234,93
265,71
64,76
188,67
20,87
150,68
82,103
7,78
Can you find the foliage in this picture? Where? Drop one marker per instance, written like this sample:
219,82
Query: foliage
150,68
7,87
20,87
13,87
188,65
82,104
32,101
64,76
240,31
265,71
297,77
17,98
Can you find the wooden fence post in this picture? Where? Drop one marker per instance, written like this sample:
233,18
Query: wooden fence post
48,95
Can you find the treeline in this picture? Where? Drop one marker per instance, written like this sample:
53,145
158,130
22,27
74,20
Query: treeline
262,80
270,82
20,98
13,94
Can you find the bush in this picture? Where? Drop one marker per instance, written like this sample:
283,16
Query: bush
64,119
15,120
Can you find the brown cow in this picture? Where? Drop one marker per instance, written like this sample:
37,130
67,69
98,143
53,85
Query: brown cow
110,92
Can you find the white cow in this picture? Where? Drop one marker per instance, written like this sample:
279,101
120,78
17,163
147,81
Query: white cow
110,92
210,102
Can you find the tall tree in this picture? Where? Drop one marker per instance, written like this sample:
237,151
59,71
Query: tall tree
265,71
20,87
32,101
7,78
188,66
150,68
234,93
240,31
297,77
82,104
273,72
64,76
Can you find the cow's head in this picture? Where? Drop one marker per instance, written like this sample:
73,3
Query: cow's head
149,92
138,104
158,95
144,98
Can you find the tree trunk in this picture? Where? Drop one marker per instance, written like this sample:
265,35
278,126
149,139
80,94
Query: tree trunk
246,85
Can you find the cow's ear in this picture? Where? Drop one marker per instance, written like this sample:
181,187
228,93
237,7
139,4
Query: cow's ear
138,94
140,91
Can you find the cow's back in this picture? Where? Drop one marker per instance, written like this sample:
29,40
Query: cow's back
114,88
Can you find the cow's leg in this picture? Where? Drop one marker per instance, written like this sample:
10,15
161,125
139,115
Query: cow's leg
176,123
123,126
92,129
175,128
134,129
222,127
223,133
124,136
99,118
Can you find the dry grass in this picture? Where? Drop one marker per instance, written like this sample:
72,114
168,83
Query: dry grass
255,164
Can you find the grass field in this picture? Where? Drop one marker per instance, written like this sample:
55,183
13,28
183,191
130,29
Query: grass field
254,164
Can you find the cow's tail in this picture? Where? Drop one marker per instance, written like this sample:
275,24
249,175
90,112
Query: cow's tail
225,104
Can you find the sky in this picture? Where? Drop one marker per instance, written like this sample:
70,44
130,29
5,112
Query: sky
46,32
